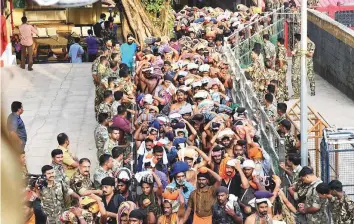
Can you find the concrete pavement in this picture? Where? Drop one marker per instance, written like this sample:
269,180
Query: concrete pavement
56,98
60,98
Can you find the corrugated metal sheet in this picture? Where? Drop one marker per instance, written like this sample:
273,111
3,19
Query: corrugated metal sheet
325,3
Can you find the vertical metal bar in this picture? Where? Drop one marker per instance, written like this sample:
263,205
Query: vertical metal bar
317,150
303,117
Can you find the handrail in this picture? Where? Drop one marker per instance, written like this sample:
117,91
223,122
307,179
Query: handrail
259,19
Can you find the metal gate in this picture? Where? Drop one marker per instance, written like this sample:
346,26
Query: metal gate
337,157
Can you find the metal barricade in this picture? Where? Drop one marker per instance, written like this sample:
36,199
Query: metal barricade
273,24
244,95
337,160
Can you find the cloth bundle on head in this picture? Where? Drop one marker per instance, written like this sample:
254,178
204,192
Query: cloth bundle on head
227,132
124,174
148,99
255,153
261,196
149,158
179,167
248,164
189,152
222,169
206,106
125,208
144,177
171,195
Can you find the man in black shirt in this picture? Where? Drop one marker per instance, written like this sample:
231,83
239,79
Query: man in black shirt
233,180
110,200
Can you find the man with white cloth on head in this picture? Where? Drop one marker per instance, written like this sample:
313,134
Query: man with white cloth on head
263,206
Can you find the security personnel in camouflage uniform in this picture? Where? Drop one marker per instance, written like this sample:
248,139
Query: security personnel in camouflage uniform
106,105
101,133
289,140
100,69
52,195
314,206
255,72
269,108
57,164
104,170
281,113
296,66
309,64
269,49
90,207
112,141
342,206
282,68
80,182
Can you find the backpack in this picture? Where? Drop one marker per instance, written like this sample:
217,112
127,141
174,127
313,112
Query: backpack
97,28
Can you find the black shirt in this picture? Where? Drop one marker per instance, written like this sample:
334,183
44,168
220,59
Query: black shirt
112,206
234,185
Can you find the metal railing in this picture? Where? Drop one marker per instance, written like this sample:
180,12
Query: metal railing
243,94
337,159
273,24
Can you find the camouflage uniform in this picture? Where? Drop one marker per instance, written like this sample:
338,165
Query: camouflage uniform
289,142
59,173
114,107
271,112
88,216
309,64
94,70
342,210
100,173
314,201
116,166
109,145
105,107
80,183
280,119
283,88
102,72
53,202
270,74
295,71
269,5
101,137
270,51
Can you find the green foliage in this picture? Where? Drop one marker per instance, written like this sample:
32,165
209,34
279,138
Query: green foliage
153,6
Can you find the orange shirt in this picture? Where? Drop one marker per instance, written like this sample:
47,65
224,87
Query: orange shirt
26,32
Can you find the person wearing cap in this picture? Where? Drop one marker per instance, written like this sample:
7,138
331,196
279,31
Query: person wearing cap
128,50
289,140
314,207
263,205
342,206
226,210
110,199
202,199
137,216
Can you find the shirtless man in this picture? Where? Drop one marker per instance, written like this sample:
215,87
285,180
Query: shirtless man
146,78
181,102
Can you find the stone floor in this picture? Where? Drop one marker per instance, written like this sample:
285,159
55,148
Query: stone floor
57,98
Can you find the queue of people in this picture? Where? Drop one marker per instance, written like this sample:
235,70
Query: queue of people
196,157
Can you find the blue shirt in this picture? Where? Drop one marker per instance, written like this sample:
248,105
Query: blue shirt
74,52
186,194
16,124
92,45
128,52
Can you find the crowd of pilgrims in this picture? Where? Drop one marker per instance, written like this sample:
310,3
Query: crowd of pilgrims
196,156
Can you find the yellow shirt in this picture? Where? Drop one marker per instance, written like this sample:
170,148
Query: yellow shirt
68,159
